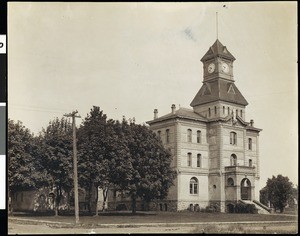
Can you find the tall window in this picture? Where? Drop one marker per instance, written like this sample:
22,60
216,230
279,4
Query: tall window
189,135
233,160
237,112
241,113
223,110
194,186
215,110
159,133
189,159
209,112
228,110
198,160
167,135
198,136
233,138
250,162
250,143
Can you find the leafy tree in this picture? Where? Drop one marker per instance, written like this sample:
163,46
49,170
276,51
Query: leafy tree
56,156
100,151
293,197
263,196
91,164
24,172
150,172
279,190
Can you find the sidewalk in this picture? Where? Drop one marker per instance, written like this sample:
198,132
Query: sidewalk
136,225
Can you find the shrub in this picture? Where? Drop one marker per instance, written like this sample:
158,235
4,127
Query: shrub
121,207
245,208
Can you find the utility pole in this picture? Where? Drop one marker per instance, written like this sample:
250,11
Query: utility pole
73,115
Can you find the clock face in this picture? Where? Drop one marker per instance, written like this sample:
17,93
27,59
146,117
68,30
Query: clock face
225,67
211,68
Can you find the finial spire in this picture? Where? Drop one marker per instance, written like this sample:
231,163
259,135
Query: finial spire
217,24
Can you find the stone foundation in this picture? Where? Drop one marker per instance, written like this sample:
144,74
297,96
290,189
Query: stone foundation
158,205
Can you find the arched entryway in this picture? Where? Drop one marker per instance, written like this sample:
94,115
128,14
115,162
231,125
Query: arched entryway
245,189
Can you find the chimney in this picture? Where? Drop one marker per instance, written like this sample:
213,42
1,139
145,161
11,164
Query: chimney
251,122
155,113
173,107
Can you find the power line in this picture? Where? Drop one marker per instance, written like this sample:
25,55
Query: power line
31,108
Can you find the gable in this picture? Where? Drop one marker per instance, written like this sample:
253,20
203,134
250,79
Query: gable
230,89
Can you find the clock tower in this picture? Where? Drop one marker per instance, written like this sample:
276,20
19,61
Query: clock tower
217,62
219,97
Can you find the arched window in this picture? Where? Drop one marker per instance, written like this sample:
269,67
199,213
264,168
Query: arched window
159,133
230,182
250,143
208,112
233,138
167,136
189,159
194,186
198,136
233,160
189,135
198,160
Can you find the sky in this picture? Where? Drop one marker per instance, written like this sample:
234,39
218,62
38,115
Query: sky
132,58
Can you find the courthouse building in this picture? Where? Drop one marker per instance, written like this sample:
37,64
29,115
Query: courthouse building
215,149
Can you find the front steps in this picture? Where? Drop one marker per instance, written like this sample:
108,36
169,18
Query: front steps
262,209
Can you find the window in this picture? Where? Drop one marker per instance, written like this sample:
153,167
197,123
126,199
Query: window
198,160
159,133
250,144
215,110
241,113
189,159
194,186
189,135
233,138
230,182
250,162
167,135
228,110
223,110
233,160
208,112
198,136
237,112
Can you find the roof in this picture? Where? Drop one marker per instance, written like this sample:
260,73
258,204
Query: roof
218,90
180,113
217,49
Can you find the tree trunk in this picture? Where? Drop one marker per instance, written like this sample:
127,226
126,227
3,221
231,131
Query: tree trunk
57,200
105,192
90,199
11,204
133,205
96,214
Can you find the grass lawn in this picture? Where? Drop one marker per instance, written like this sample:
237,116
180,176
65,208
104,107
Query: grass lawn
162,217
